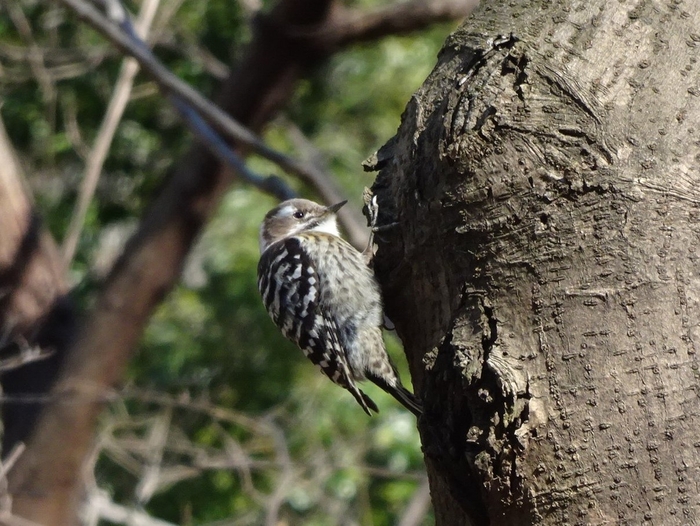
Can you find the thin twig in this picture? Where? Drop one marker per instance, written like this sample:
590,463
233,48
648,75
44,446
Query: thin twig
286,479
36,59
168,11
192,106
27,354
156,440
257,426
70,123
101,505
6,516
350,26
11,459
105,135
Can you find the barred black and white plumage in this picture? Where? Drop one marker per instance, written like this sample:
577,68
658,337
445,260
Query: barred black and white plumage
322,296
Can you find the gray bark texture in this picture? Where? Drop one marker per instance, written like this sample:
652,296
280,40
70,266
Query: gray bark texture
544,268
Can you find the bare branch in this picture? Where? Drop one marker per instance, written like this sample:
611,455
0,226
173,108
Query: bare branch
286,479
235,457
156,444
36,60
27,354
7,518
105,135
70,123
7,464
344,29
191,104
11,459
101,506
354,26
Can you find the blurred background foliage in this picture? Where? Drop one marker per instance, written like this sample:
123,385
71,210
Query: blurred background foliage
213,378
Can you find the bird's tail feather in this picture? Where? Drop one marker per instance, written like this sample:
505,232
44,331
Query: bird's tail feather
405,397
365,401
408,400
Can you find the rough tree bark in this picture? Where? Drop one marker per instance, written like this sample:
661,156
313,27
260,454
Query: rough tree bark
544,272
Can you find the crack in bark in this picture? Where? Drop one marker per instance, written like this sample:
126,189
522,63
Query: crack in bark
444,445
489,341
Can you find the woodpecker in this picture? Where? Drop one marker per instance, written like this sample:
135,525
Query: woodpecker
321,294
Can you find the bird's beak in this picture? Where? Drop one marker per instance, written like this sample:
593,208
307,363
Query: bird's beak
334,208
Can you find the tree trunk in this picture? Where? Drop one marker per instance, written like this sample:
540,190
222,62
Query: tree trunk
544,272
34,306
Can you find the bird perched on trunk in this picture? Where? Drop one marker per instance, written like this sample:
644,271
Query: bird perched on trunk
323,297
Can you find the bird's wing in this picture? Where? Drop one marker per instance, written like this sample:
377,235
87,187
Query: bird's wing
292,293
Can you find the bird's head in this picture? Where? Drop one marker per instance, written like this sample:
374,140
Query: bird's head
295,216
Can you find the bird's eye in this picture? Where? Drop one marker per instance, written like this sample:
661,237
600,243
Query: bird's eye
298,214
